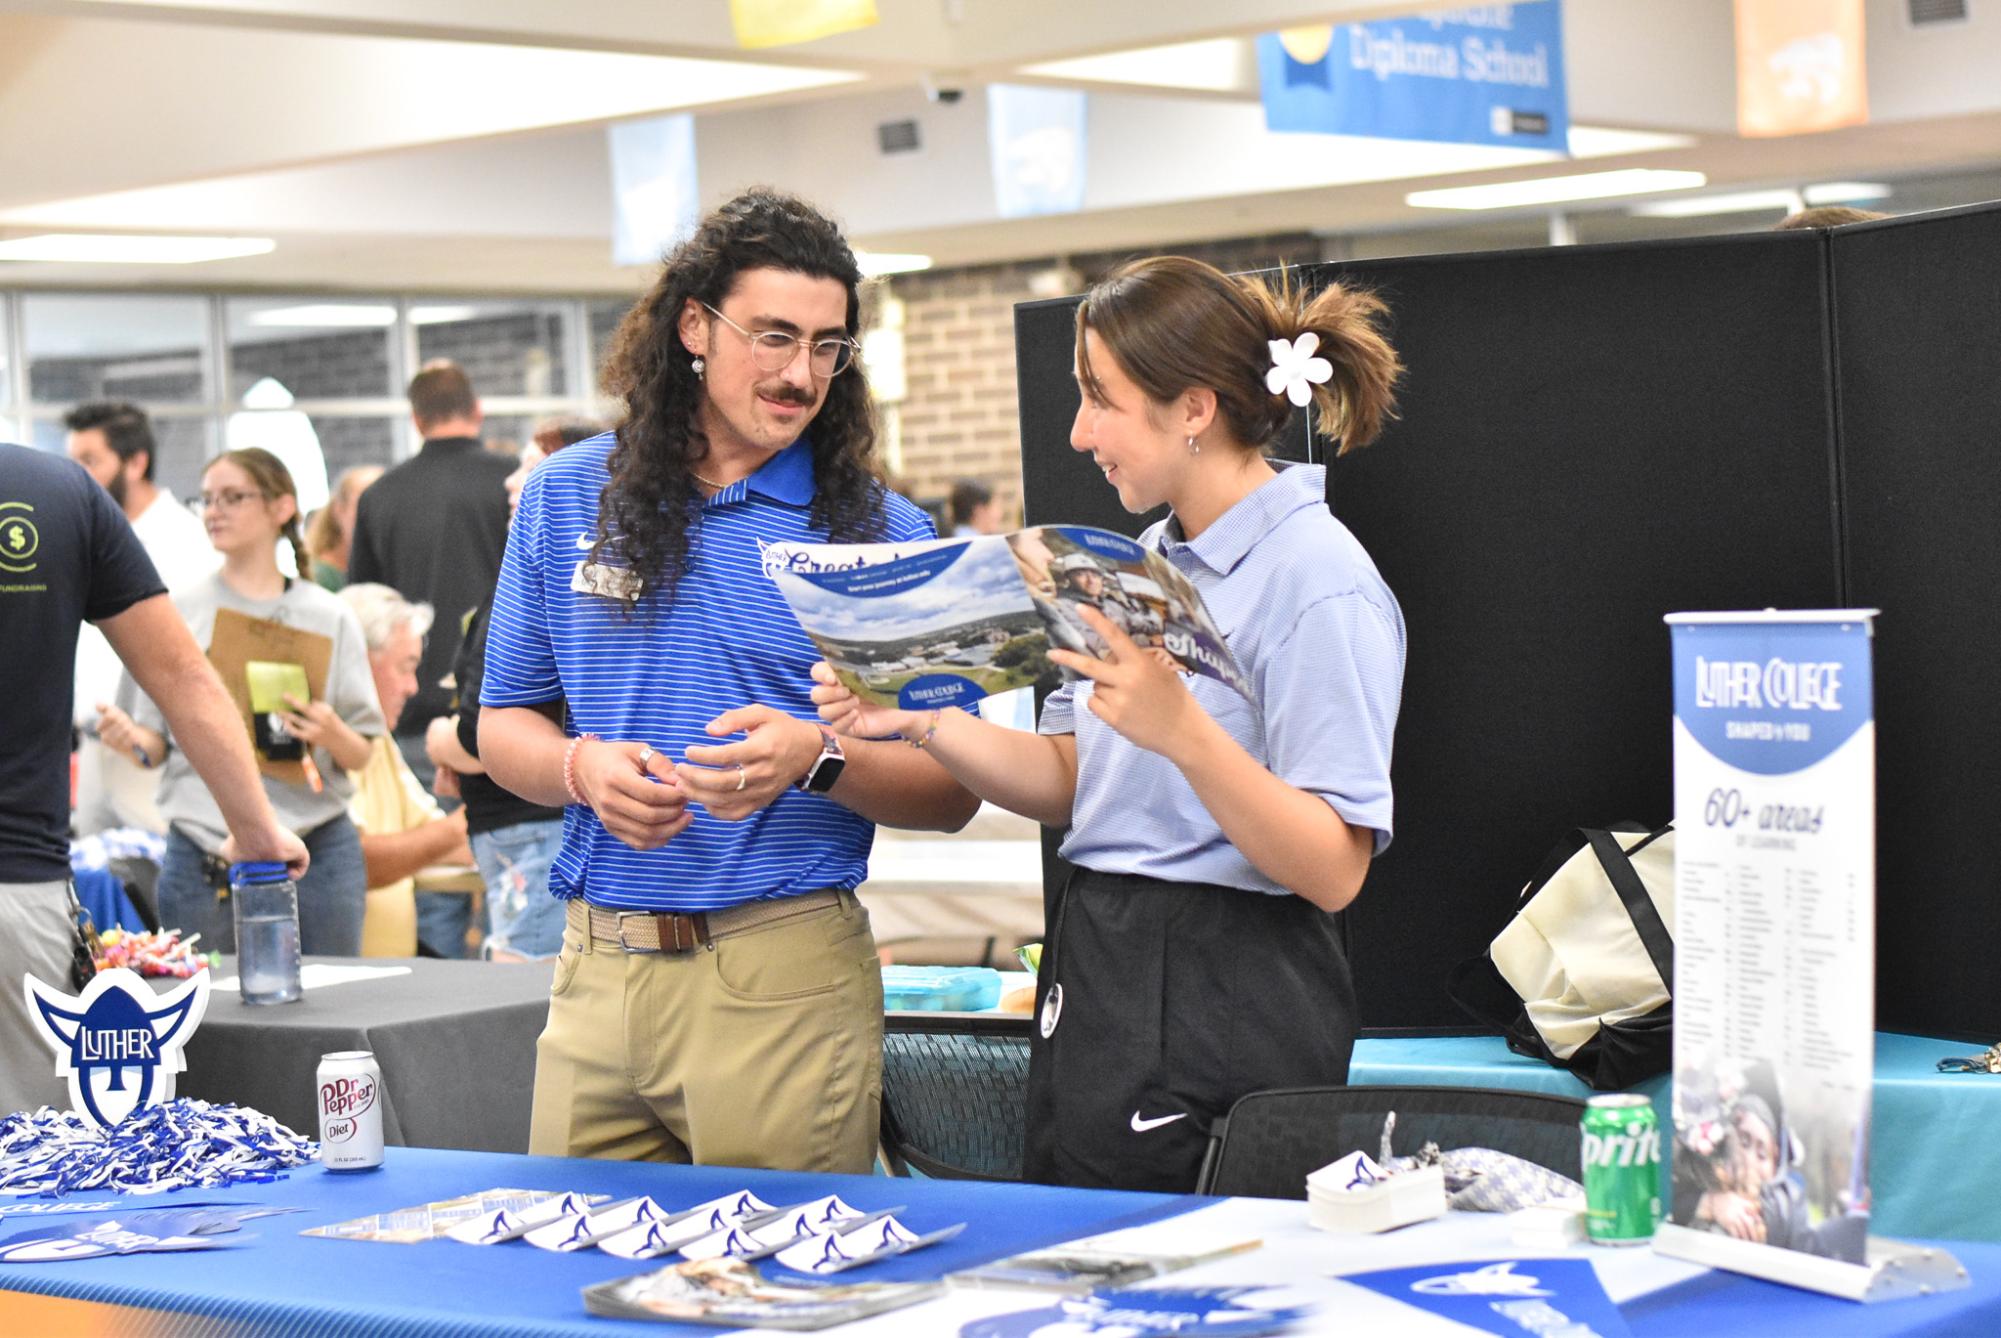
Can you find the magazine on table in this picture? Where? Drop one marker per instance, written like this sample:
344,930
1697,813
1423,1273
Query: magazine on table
1115,1258
733,1293
946,622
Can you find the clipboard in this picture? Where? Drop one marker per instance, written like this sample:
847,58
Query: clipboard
238,639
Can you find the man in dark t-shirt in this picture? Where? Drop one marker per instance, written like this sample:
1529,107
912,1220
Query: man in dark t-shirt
67,556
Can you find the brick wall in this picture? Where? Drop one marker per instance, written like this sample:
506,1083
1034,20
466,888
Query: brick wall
959,417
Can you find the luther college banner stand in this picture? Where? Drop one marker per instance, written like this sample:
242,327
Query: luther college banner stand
1775,955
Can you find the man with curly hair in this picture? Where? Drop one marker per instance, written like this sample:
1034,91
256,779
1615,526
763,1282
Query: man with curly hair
718,997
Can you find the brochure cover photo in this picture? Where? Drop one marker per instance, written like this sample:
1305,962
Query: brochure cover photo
918,626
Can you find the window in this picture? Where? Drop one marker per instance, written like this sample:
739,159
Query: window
90,346
317,348
509,349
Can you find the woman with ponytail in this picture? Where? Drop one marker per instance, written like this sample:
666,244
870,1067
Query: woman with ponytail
248,505
1194,957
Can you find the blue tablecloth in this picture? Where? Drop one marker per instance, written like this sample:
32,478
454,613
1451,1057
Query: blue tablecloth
278,1281
275,1281
1935,1164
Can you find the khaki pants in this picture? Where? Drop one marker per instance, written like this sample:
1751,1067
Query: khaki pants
35,939
763,1048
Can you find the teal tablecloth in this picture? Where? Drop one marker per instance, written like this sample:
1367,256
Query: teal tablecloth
1936,1161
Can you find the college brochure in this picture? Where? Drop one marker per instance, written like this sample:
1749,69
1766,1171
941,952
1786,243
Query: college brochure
946,622
733,1293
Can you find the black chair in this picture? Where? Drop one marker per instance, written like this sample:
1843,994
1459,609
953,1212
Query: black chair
1271,1141
954,1092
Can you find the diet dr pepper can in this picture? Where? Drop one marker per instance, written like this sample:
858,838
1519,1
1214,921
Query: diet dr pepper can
350,1101
1622,1169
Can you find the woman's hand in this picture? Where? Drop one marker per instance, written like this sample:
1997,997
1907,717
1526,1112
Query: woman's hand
319,726
848,714
121,733
1137,693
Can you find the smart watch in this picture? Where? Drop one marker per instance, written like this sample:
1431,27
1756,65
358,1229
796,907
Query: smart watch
826,768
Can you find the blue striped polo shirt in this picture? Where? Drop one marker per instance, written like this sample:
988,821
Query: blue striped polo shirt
727,639
1321,638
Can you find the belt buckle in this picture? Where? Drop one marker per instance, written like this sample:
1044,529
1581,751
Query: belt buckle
627,944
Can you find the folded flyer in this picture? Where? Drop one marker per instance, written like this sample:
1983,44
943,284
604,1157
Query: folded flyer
949,621
733,1293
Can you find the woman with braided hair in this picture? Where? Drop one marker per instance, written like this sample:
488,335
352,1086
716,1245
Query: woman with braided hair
1194,957
248,504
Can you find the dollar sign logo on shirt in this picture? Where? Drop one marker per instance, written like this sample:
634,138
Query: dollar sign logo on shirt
18,538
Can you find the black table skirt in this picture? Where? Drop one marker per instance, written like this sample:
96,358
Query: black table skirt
455,1040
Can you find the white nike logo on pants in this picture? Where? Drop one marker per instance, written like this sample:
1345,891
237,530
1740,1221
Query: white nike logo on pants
1140,1126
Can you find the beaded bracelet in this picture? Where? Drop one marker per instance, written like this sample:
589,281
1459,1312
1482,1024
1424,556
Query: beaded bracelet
925,738
570,768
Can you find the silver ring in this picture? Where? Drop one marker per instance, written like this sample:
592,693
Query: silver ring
645,754
741,779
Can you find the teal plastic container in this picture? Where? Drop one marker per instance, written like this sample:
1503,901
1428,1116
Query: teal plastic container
940,989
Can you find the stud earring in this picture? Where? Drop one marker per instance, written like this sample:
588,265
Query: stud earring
696,366
1194,446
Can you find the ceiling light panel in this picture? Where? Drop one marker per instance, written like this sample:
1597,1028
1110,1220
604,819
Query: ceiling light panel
1556,190
103,248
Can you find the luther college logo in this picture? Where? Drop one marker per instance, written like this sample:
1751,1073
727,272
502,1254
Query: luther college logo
118,1043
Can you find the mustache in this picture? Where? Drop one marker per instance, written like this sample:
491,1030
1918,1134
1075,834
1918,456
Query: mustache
788,394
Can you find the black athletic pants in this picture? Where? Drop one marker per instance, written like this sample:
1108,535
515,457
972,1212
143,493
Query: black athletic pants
1169,1002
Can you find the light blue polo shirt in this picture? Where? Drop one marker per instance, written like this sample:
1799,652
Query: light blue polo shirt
1321,638
727,639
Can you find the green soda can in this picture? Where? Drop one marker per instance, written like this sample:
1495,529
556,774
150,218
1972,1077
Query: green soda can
1622,1169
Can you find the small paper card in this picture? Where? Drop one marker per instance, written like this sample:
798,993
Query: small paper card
578,1231
428,1221
754,1239
1355,1172
512,1222
650,1239
836,1253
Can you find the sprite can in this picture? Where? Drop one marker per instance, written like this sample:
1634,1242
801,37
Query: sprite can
1622,1169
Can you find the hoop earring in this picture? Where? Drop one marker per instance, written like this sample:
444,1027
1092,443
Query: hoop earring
1194,446
697,366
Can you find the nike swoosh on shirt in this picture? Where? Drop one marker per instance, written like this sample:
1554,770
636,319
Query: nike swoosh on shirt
1140,1126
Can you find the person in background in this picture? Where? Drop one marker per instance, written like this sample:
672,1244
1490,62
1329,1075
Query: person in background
67,555
332,530
1193,958
403,830
514,841
114,443
432,528
718,998
1827,216
973,509
248,506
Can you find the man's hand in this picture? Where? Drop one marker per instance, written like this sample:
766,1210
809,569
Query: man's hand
634,792
275,845
1136,694
445,783
734,780
848,714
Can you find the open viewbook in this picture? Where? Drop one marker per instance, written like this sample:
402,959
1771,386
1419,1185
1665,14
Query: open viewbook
945,622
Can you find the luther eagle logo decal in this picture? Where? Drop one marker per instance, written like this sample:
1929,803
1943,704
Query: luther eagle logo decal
118,1043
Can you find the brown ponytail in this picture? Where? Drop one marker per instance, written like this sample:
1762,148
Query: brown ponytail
1174,323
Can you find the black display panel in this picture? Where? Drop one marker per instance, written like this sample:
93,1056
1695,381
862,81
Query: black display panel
1917,319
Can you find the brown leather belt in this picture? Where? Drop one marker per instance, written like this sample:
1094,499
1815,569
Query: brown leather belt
677,932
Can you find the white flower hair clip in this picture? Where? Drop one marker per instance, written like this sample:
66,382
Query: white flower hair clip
1295,370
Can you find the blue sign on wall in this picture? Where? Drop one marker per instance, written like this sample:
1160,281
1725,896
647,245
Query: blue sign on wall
1486,74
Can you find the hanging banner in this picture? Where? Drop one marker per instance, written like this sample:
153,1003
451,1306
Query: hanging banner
1775,918
1800,66
1035,139
656,202
1487,74
766,23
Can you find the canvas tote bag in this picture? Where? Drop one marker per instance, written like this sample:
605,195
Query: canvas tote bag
1585,968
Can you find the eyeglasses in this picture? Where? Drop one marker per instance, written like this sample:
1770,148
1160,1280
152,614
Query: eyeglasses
227,500
774,350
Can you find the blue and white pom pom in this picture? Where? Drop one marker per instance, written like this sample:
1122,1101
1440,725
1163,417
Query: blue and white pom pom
180,1144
